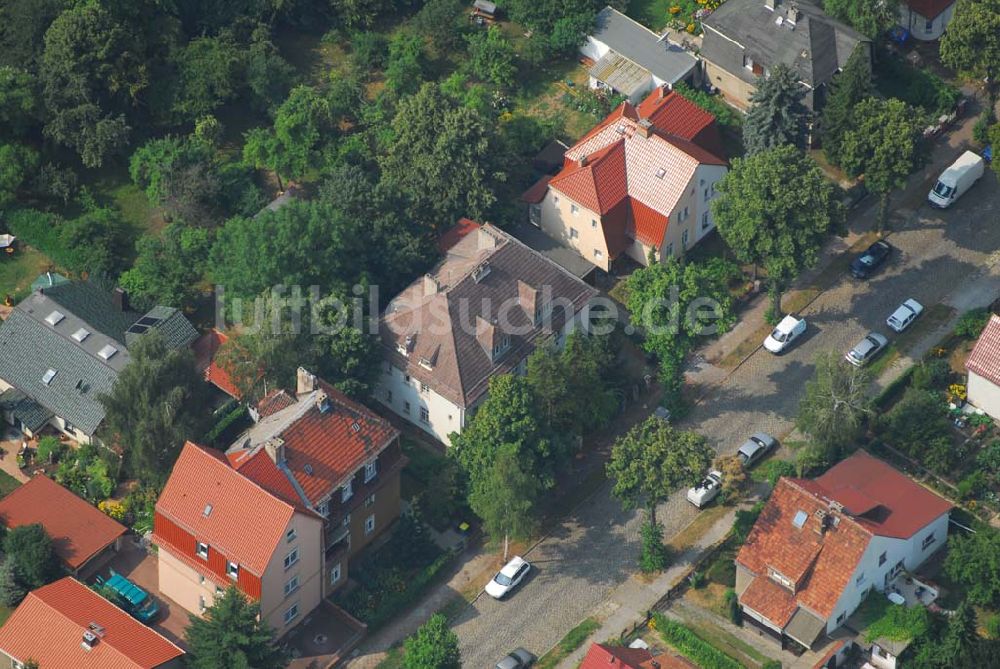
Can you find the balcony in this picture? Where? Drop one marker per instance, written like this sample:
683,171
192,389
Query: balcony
337,538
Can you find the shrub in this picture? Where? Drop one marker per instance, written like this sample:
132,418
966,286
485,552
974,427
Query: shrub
918,420
139,505
772,470
930,374
992,625
745,518
713,104
112,508
981,130
11,590
698,580
971,324
771,664
733,604
50,449
369,50
973,486
691,645
87,474
654,555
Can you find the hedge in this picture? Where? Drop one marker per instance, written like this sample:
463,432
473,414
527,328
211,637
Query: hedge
224,423
691,646
42,231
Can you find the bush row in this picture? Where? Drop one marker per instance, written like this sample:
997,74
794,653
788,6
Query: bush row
692,646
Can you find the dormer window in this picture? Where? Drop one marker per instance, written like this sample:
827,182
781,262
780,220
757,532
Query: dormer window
347,491
371,470
401,349
426,364
54,318
780,578
501,345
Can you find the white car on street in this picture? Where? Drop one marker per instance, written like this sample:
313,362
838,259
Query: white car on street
706,490
788,330
904,315
508,578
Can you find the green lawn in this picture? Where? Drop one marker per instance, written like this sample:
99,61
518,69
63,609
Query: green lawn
573,640
651,13
17,271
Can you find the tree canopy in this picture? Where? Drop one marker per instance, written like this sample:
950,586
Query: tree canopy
28,550
848,88
776,116
871,18
972,41
229,635
433,646
776,209
834,405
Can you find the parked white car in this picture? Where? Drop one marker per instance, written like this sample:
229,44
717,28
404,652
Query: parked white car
788,330
508,578
904,315
706,490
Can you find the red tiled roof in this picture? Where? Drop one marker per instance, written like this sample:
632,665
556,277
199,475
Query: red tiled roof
260,468
820,563
537,192
673,114
205,349
48,627
648,225
245,521
452,235
985,357
882,499
770,600
600,182
929,9
273,402
601,656
78,530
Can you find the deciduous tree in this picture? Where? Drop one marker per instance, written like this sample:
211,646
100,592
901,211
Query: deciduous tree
17,162
168,266
972,41
18,101
776,210
230,635
835,403
871,18
882,144
155,406
777,115
492,57
505,496
433,646
29,550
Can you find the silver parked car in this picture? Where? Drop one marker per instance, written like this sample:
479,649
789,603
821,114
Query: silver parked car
866,349
755,448
904,315
518,659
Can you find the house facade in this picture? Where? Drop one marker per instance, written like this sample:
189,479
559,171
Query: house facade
983,369
745,39
926,19
821,545
66,624
640,183
64,346
631,60
283,511
478,313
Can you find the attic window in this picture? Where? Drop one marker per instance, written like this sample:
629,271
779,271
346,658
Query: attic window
480,272
620,129
54,318
48,376
308,469
208,510
800,519
660,173
401,349
355,427
426,364
81,334
107,352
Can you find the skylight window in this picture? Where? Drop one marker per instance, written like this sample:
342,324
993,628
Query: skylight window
660,173
800,519
208,510
48,376
107,352
81,334
54,318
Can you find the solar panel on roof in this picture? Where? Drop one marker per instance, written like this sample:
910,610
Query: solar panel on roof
148,321
138,329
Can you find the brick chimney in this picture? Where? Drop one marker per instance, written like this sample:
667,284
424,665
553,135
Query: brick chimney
305,381
119,298
431,285
643,127
527,297
583,160
275,449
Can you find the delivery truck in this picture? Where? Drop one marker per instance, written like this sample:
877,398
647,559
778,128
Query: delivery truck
958,178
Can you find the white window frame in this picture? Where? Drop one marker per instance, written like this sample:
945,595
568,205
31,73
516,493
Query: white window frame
291,613
198,549
292,558
323,508
347,490
369,524
573,234
425,416
335,574
598,254
291,585
928,541
371,470
232,570
573,209
290,536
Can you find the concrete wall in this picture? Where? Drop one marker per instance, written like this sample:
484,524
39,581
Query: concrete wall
594,49
444,416
183,584
984,394
309,569
557,218
736,91
918,25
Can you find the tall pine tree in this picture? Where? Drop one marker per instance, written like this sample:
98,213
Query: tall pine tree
850,87
777,115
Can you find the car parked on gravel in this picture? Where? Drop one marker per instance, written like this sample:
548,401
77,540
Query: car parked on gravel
508,578
706,490
755,448
904,315
787,331
518,659
866,349
868,262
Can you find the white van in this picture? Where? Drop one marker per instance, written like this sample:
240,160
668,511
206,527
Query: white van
958,178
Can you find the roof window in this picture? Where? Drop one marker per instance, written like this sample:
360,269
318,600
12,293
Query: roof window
81,334
54,318
800,519
660,173
208,510
107,352
48,376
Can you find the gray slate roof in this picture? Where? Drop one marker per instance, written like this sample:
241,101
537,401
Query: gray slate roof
30,346
32,414
815,48
642,46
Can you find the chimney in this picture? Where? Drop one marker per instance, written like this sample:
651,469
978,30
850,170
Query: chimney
643,127
770,4
582,161
305,382
323,402
119,298
793,15
431,285
89,640
275,449
527,297
486,240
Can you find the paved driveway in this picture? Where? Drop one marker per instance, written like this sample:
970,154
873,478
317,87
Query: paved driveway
588,556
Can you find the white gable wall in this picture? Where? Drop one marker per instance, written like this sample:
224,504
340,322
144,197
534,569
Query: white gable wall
984,394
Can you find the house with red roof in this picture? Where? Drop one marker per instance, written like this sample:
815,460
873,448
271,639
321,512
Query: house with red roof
639,184
821,545
83,537
205,349
926,19
66,624
284,509
983,368
603,656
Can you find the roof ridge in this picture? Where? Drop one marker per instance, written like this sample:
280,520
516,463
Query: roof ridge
225,464
795,482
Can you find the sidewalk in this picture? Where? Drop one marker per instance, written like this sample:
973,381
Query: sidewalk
629,603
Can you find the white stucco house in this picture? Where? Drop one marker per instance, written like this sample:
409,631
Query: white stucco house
631,60
821,545
983,367
642,179
926,19
478,313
